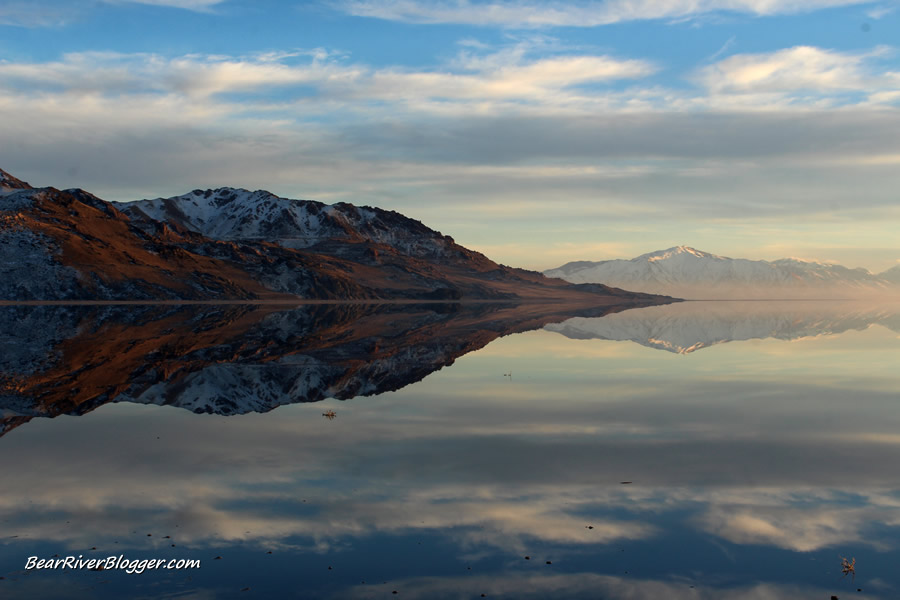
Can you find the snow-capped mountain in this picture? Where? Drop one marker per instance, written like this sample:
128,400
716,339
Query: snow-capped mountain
231,214
689,273
686,327
239,245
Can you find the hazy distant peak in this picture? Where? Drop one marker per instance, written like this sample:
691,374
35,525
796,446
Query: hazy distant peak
686,272
800,261
892,274
675,251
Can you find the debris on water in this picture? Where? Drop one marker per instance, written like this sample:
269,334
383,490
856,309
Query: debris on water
527,558
848,567
549,563
329,414
218,558
269,552
625,482
329,568
588,526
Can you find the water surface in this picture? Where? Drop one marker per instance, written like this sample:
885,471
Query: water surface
696,450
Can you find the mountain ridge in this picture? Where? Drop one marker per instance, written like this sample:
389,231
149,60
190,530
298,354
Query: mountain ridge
690,273
239,245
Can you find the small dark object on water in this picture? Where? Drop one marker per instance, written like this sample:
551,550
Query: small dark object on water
269,552
549,563
168,537
149,535
848,566
246,589
527,558
625,482
94,548
218,558
589,527
834,598
329,414
394,592
329,568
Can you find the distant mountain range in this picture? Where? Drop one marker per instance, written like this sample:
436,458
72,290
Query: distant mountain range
231,244
685,272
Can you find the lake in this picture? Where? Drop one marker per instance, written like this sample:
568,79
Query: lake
693,450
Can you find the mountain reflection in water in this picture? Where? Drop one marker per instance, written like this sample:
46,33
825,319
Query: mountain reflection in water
235,359
754,465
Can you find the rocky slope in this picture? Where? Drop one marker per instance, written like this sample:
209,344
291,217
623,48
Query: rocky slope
689,273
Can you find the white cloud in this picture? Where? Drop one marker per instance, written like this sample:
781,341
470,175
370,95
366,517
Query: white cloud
528,14
491,77
489,137
881,11
198,5
58,13
46,13
796,69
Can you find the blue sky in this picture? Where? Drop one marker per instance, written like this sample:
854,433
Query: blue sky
536,132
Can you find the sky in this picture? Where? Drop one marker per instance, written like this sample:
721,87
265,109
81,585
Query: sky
535,132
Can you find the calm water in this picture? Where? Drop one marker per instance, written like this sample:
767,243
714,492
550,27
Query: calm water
760,443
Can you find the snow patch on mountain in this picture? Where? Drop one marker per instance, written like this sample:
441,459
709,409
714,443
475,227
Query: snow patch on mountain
231,214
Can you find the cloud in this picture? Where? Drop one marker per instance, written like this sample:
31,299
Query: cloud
496,141
42,13
530,14
58,13
881,11
492,77
196,5
796,69
801,529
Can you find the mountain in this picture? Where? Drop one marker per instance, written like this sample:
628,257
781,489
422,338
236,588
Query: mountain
686,327
892,275
689,273
229,244
238,358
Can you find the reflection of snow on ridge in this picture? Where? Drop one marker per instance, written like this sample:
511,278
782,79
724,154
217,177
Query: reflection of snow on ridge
687,327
